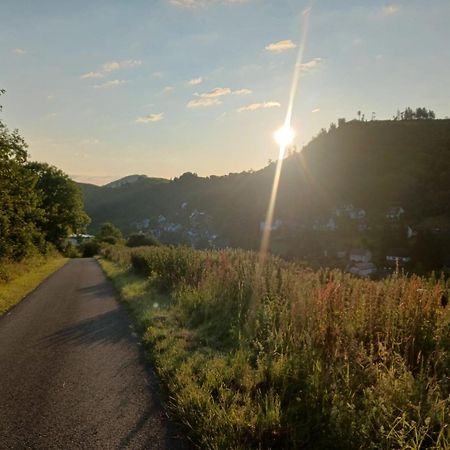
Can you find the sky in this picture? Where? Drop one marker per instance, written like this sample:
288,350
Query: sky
108,88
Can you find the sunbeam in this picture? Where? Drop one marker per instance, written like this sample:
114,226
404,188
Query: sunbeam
284,137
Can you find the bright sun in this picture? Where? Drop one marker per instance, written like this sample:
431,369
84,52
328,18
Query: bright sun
284,136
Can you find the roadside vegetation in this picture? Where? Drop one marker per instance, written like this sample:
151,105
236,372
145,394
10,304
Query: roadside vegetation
40,207
279,356
19,279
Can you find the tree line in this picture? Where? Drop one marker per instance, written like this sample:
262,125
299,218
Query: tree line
40,205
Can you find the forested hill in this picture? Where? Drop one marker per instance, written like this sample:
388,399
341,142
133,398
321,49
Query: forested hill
372,165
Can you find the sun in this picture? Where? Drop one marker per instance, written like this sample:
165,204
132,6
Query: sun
284,136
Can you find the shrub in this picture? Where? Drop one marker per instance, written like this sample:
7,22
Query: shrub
278,356
140,240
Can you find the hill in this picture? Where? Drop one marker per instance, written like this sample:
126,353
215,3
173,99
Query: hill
371,166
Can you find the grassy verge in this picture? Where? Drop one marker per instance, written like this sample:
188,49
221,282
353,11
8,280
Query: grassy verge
24,277
279,357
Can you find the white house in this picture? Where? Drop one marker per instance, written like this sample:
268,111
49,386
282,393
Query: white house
357,214
78,239
398,256
363,269
360,255
394,212
276,225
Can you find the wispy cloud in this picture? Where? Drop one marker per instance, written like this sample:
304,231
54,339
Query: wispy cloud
280,46
89,141
311,65
390,10
92,75
202,3
112,66
222,91
242,92
216,92
195,81
150,118
19,51
168,90
316,110
256,106
203,102
110,84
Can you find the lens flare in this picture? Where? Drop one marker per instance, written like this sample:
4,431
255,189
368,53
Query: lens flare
284,136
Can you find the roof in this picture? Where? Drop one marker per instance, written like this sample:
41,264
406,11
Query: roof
399,252
359,251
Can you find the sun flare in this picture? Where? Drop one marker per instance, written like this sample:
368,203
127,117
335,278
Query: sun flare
284,136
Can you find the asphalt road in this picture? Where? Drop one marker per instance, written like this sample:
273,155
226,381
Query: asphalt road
72,374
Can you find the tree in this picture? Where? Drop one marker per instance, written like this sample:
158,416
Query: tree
62,203
19,202
110,234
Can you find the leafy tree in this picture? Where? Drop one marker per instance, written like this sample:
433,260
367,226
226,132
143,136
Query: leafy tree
62,202
110,234
19,208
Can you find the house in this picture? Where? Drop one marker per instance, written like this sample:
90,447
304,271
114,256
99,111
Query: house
410,232
360,255
329,225
363,269
78,239
275,225
398,256
394,213
343,210
357,214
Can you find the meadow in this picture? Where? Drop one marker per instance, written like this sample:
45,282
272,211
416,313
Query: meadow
277,356
18,279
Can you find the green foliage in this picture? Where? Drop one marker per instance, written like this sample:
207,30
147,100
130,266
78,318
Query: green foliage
62,203
276,356
109,234
139,240
90,248
374,165
40,206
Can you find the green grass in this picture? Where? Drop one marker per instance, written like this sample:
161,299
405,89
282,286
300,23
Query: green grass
24,277
278,356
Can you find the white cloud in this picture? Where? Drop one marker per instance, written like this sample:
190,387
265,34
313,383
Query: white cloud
316,110
242,92
195,81
112,66
116,65
92,75
202,3
310,65
256,106
19,51
89,141
168,90
390,10
150,118
110,84
203,102
280,46
216,92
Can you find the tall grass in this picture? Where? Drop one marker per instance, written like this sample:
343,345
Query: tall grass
278,356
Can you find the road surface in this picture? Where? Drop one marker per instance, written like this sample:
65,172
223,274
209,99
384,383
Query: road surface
72,375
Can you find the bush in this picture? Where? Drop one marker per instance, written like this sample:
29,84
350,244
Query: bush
90,248
141,240
277,356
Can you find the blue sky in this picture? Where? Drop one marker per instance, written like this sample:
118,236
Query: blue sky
104,89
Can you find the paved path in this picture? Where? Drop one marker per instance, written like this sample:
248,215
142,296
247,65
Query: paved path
71,373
